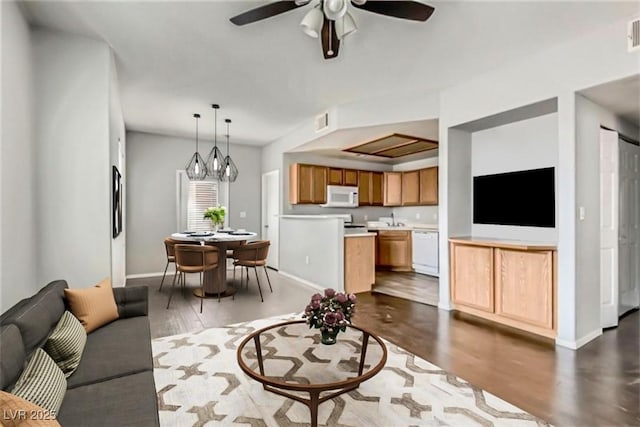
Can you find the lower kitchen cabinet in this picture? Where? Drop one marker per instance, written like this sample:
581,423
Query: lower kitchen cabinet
505,281
359,263
393,250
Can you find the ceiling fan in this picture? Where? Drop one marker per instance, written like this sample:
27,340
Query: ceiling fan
330,19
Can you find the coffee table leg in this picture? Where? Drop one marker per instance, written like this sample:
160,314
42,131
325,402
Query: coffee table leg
363,352
313,407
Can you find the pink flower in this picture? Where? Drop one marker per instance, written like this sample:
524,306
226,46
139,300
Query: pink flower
315,305
316,297
352,298
341,298
331,318
329,292
340,316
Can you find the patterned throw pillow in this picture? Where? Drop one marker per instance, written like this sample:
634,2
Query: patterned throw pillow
42,382
17,412
94,307
66,343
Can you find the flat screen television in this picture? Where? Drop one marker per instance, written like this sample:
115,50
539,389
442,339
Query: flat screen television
522,198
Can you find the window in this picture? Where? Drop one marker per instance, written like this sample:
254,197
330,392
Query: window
202,195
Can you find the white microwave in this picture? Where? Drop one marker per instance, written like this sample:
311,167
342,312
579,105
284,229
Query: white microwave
339,196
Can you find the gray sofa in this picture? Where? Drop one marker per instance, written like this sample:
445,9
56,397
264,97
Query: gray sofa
113,385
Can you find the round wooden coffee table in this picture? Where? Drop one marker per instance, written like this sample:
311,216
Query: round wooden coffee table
289,356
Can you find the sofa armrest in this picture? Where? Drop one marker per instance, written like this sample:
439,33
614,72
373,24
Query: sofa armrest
133,301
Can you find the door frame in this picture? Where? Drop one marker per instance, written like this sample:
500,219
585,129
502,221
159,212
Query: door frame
263,210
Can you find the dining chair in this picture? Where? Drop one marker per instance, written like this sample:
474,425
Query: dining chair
169,243
253,255
194,259
231,247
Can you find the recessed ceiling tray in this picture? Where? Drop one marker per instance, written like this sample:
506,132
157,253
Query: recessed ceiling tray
394,145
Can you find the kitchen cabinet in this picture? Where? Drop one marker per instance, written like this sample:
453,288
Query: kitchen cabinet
392,188
359,263
335,176
428,186
370,188
509,282
410,188
394,250
377,188
350,177
307,184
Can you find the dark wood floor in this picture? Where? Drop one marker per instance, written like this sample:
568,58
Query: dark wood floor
598,385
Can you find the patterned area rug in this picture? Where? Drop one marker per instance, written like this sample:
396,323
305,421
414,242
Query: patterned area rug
199,383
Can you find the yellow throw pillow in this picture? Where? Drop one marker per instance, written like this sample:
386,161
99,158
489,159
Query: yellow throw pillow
94,307
17,412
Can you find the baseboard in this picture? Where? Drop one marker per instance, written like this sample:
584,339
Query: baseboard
301,280
143,275
574,345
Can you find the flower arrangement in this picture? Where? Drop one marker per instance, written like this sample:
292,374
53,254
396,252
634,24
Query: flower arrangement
330,313
216,215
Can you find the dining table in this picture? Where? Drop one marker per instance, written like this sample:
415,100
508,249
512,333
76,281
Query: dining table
215,281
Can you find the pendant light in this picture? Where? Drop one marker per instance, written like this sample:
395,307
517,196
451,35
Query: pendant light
215,159
196,168
229,170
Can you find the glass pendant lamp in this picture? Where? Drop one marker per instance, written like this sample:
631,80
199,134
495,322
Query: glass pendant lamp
196,168
229,170
215,159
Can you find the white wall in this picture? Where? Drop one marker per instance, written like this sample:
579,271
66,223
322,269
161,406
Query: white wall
523,145
18,277
555,73
313,250
589,118
73,173
117,150
152,162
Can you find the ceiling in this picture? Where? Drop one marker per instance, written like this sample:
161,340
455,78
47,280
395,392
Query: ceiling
621,97
176,58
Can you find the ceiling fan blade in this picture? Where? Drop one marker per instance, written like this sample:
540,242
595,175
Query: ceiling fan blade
267,11
412,10
330,40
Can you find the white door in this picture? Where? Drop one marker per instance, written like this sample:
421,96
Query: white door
629,247
270,211
609,228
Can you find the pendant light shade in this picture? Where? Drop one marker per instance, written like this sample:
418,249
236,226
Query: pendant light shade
215,159
229,170
196,168
312,22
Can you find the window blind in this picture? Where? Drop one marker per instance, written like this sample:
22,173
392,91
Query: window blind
202,195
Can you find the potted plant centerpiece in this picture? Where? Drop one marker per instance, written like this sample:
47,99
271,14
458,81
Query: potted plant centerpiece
216,215
330,313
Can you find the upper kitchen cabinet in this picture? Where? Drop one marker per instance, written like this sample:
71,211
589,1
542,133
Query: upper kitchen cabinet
335,176
339,176
410,188
429,186
392,188
307,184
350,177
370,188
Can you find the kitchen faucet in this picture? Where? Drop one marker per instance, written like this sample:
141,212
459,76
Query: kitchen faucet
393,220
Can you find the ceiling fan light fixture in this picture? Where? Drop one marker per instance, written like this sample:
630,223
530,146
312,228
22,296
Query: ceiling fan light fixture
312,22
358,2
345,26
335,9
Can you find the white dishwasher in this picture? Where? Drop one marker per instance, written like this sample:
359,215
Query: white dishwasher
425,252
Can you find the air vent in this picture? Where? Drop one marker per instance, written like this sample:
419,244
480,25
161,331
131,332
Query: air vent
633,35
322,122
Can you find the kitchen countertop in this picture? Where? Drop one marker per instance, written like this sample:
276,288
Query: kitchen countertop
363,234
407,227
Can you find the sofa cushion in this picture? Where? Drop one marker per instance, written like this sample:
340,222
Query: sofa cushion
66,342
17,412
117,349
95,306
12,356
37,316
42,382
124,401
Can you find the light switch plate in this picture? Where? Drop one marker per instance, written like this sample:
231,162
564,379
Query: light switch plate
243,214
581,213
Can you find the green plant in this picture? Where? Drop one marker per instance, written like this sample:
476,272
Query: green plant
216,215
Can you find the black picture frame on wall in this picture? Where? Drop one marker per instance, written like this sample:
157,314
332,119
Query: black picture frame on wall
116,202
